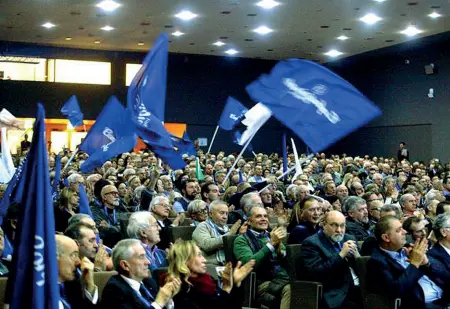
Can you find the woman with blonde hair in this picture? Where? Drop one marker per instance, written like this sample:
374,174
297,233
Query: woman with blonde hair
198,289
68,202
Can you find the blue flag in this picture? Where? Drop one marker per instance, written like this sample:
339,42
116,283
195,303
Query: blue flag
315,103
241,177
149,85
57,178
111,134
184,144
71,109
33,280
84,202
237,135
284,150
232,114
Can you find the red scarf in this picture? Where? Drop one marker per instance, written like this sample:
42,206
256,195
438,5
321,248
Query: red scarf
203,284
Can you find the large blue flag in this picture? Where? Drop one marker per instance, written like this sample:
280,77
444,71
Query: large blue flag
57,178
33,280
84,202
233,112
71,109
149,84
111,134
315,103
184,144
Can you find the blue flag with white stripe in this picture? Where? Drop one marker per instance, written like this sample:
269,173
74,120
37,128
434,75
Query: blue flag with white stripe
233,112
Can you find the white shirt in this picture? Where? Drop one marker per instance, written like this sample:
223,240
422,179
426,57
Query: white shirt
446,249
136,286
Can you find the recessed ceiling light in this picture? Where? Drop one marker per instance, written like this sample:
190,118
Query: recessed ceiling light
434,15
219,43
177,33
97,41
140,43
262,30
411,31
379,0
342,38
231,52
186,15
333,53
107,28
370,19
48,25
108,5
268,4
68,38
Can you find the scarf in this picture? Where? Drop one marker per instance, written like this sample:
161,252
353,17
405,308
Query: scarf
219,231
203,284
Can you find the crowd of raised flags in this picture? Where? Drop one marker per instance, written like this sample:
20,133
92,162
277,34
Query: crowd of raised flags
317,105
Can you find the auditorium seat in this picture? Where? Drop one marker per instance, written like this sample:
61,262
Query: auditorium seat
183,232
2,291
100,280
372,301
304,294
186,222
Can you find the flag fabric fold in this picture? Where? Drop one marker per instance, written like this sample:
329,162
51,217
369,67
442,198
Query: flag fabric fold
71,109
111,134
231,114
298,167
254,119
7,165
184,144
57,178
315,103
7,120
84,202
33,279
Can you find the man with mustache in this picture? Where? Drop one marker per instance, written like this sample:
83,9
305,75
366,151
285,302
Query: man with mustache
329,257
357,223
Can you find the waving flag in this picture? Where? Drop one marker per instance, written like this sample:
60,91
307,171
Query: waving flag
7,120
71,109
84,202
33,279
111,134
198,170
6,162
57,178
232,114
315,103
149,84
184,144
298,167
254,119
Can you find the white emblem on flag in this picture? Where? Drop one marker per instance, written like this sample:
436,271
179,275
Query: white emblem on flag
109,134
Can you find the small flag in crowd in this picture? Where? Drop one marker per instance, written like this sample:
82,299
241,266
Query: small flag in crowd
149,84
198,170
315,103
7,168
33,278
71,109
111,134
254,119
232,114
57,178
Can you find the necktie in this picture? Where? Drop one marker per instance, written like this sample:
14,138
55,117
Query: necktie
145,293
62,294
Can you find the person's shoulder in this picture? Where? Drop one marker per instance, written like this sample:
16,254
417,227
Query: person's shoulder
349,237
313,240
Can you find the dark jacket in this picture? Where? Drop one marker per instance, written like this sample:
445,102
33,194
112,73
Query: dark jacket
111,234
118,294
164,234
387,277
75,295
322,263
360,231
302,231
61,219
440,260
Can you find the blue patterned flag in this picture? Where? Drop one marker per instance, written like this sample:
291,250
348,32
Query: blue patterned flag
71,109
231,114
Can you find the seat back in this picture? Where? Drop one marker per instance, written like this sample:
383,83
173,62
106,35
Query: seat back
293,253
183,232
228,243
100,280
3,282
123,226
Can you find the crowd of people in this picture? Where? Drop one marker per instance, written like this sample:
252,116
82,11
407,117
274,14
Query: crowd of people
338,208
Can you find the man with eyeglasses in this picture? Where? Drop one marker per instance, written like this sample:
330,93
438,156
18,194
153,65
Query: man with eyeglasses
160,209
329,257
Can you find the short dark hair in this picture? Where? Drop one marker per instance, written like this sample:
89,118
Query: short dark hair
440,208
392,207
383,226
74,230
409,222
205,188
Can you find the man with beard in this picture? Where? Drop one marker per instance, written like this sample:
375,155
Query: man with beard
358,218
106,216
329,257
189,191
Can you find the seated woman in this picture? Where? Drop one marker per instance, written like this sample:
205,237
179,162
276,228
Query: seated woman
198,211
68,202
198,289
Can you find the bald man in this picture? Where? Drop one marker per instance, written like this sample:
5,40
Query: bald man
329,257
71,283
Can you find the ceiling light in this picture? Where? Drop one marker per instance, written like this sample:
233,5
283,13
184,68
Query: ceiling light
219,43
267,4
342,38
108,5
48,25
434,15
140,43
97,42
370,19
379,0
231,52
333,53
177,33
263,30
68,38
411,31
186,15
107,28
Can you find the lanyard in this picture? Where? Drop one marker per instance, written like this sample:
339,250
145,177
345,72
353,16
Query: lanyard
114,215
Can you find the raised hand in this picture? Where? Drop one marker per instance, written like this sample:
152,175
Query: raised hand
227,278
241,272
234,228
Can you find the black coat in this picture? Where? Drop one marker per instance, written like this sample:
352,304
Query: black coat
118,294
440,260
75,295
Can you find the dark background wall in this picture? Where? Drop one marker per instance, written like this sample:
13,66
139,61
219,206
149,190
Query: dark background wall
199,85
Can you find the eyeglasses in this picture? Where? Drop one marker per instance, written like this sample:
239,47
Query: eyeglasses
112,193
202,211
163,205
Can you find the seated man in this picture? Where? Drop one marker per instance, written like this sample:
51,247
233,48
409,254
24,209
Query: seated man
160,209
71,288
415,228
132,287
329,257
309,224
440,252
208,235
142,226
397,273
197,211
269,254
357,223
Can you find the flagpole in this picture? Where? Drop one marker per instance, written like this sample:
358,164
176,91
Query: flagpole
70,160
239,156
254,154
212,140
287,172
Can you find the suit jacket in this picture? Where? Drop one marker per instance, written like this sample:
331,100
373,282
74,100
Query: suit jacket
75,295
440,260
164,234
111,234
387,277
119,294
358,230
302,231
322,263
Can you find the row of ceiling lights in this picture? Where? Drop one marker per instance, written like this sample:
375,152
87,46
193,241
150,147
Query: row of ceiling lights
369,19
